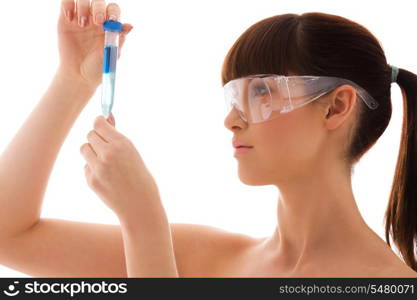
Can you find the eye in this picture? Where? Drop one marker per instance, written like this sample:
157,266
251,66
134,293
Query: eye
260,89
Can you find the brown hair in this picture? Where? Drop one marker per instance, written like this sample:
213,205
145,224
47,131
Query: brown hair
328,45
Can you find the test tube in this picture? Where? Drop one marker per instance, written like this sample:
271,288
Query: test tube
112,30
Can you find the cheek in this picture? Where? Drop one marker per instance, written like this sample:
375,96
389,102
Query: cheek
278,143
287,145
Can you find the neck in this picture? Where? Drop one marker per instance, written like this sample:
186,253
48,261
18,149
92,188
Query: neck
317,214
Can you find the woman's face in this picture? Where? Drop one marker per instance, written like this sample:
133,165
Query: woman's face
283,148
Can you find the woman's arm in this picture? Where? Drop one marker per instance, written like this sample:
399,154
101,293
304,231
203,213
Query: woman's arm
149,250
117,173
26,163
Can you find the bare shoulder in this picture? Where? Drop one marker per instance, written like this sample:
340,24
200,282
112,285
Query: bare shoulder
200,249
398,269
403,271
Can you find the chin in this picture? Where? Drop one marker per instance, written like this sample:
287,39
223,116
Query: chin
252,179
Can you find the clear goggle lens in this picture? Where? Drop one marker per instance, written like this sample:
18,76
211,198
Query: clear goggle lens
262,97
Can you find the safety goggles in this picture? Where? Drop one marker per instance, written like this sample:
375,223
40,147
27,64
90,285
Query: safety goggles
256,97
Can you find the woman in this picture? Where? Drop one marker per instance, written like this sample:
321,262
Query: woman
302,134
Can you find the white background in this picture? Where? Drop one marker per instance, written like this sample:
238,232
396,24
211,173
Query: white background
169,102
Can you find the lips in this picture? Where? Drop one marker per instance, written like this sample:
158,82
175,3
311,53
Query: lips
239,144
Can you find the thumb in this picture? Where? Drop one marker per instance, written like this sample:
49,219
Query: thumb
126,28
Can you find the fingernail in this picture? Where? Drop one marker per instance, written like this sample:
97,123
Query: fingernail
111,119
99,18
82,21
113,17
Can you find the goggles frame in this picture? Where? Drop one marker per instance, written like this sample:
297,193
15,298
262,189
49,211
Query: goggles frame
289,87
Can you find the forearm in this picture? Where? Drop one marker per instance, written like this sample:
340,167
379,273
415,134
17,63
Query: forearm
26,163
148,246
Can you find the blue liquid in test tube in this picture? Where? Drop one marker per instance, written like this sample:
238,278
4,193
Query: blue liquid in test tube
111,45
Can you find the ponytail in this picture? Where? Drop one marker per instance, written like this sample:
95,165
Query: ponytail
401,213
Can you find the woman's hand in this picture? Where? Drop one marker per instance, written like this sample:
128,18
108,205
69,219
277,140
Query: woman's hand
81,38
117,174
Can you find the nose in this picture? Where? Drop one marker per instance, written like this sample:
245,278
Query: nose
233,120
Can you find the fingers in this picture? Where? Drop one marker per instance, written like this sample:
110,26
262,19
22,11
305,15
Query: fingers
88,153
105,129
98,138
67,9
98,11
87,170
83,12
96,141
113,12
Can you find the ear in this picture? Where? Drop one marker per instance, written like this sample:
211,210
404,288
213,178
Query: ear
341,104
